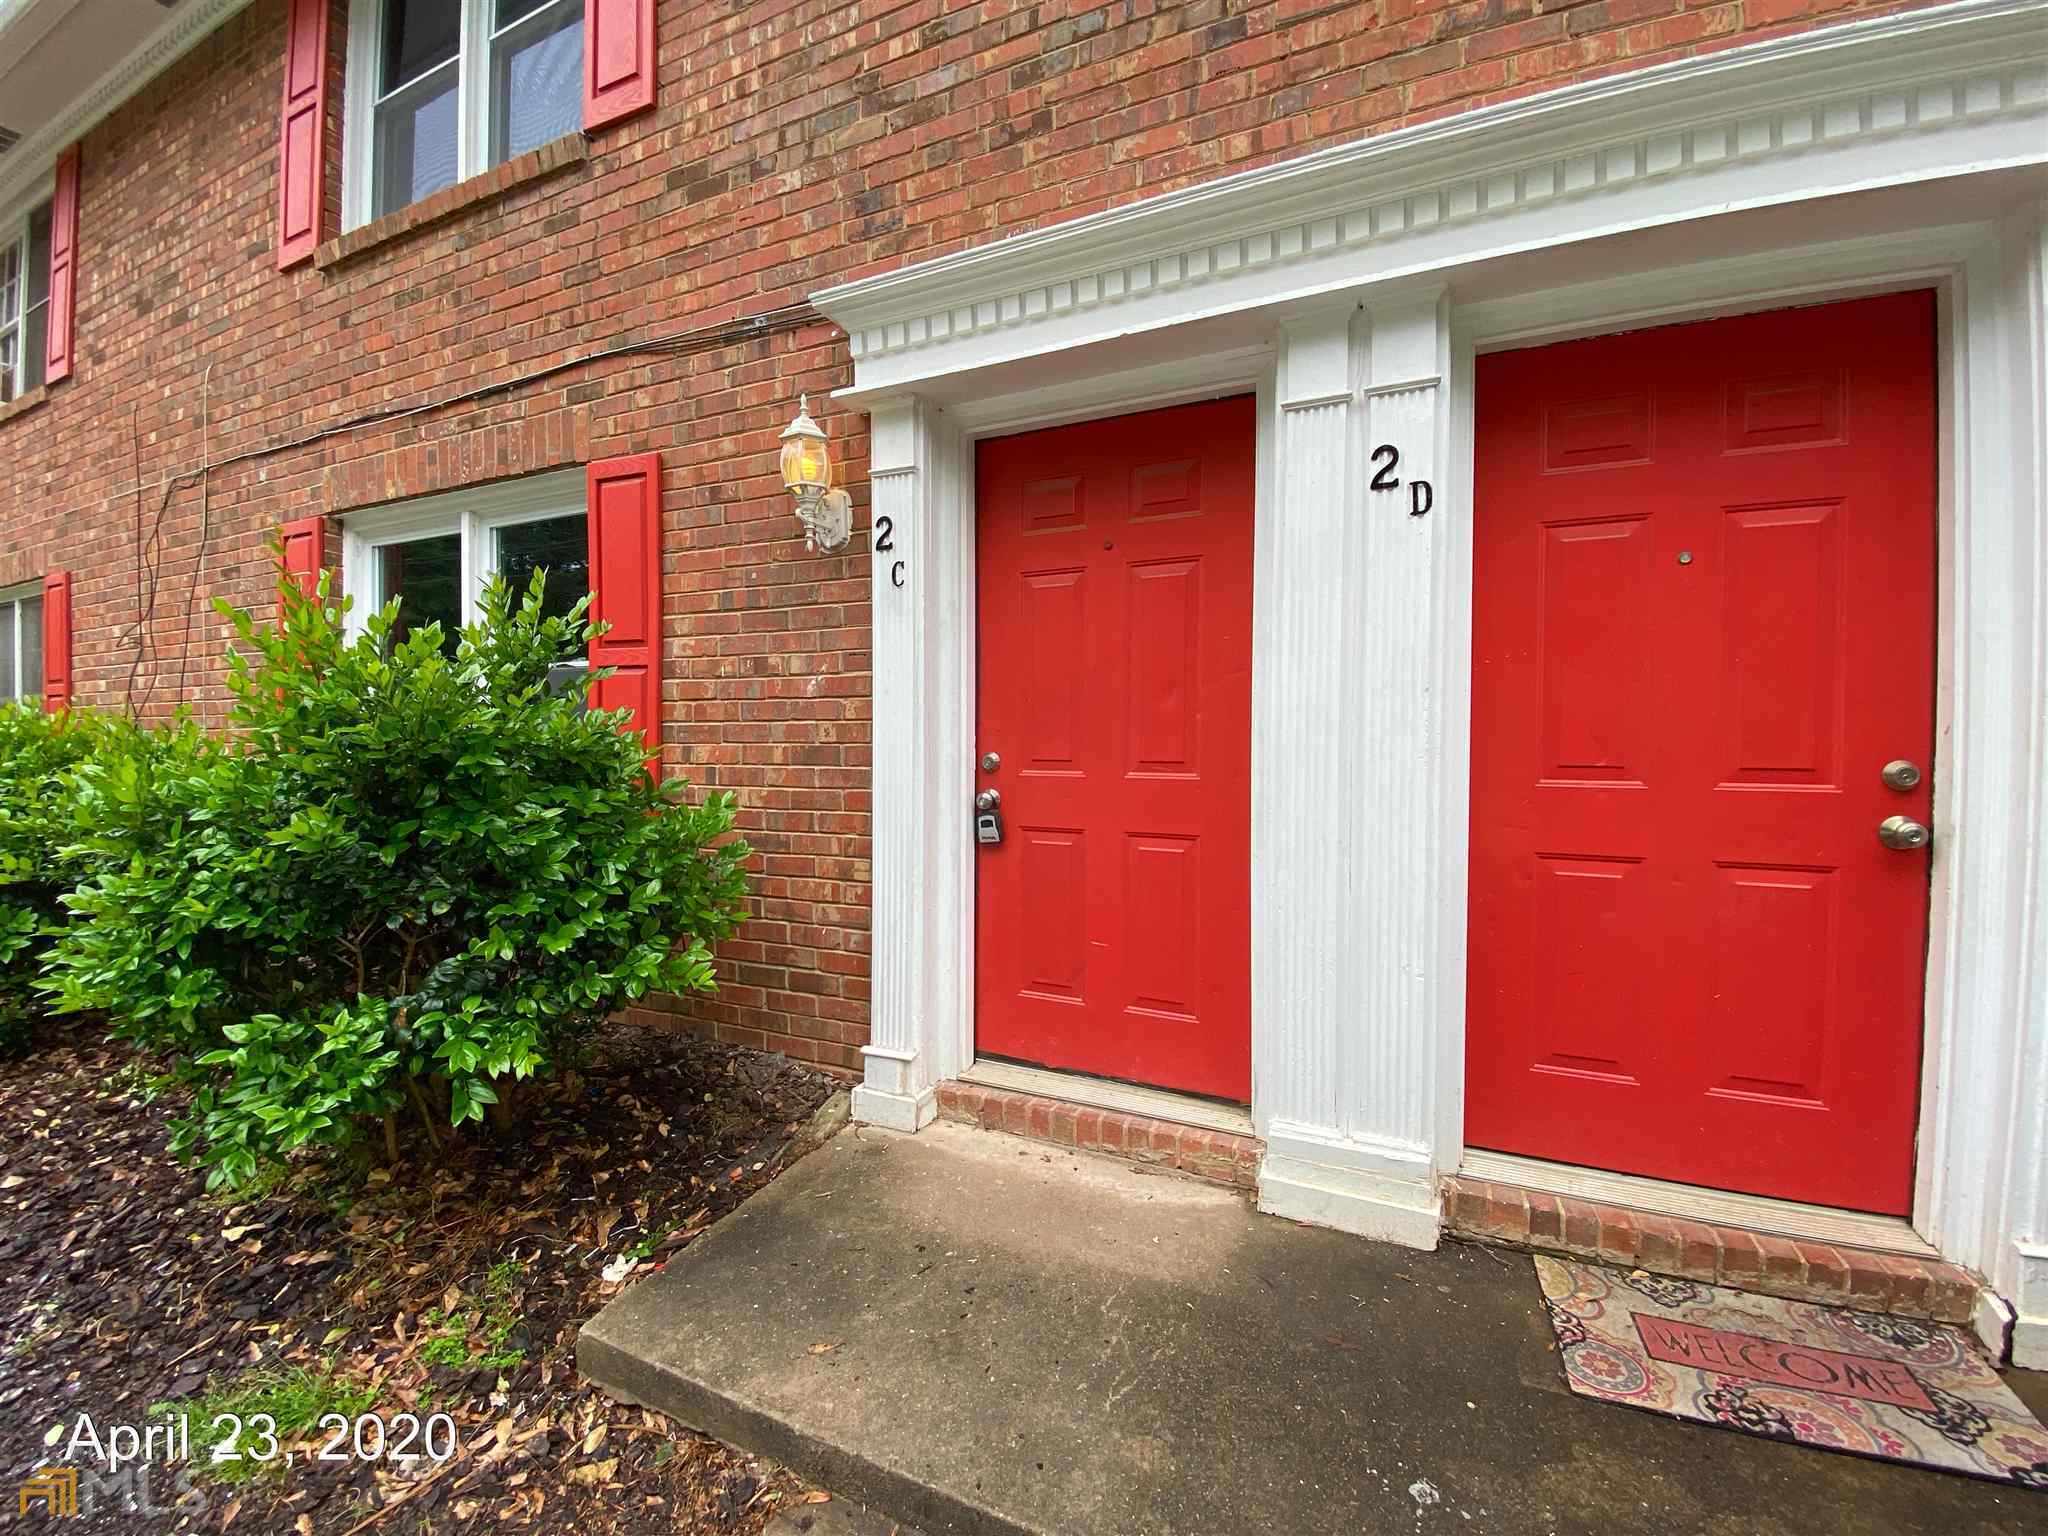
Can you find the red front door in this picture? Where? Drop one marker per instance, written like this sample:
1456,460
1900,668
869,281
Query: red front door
1112,924
1703,625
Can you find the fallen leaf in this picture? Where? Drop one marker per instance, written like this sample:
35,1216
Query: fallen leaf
823,1347
593,1473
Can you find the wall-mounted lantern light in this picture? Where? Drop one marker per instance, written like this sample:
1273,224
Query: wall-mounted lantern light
825,511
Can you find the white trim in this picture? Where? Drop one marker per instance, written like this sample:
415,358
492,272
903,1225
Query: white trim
1121,1098
1754,1213
475,513
38,151
1895,99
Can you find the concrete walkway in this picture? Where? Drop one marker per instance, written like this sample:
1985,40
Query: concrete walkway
975,1334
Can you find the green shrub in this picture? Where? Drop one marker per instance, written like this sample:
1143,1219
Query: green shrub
38,751
400,879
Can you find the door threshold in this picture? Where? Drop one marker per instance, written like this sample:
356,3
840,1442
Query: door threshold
1118,1098
1716,1207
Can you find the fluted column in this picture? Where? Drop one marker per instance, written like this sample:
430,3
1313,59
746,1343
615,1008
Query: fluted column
919,806
1346,802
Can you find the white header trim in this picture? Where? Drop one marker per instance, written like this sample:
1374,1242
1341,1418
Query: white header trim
38,151
1938,92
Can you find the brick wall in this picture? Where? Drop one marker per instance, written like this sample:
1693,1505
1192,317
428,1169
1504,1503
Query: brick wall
795,143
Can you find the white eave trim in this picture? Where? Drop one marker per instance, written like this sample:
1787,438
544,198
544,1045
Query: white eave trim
37,151
1920,87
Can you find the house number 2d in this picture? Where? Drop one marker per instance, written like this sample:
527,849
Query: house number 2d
885,543
1421,494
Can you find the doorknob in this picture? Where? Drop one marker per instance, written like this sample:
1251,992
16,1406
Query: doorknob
1900,774
1901,832
988,800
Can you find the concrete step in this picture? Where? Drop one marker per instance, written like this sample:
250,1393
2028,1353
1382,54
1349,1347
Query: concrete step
975,1334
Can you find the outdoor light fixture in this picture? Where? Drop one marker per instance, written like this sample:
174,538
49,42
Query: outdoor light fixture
825,511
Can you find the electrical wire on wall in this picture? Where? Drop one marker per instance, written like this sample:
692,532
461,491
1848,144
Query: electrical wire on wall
149,549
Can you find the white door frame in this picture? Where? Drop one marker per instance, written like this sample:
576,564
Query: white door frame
1954,262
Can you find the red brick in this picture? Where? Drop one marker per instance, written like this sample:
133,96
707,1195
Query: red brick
1581,1226
1742,1260
1546,1218
1658,1248
1062,1119
1951,1293
1784,1269
1699,1251
1088,1128
1827,1272
1619,1238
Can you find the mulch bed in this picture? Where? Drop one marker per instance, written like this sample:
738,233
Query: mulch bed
124,1283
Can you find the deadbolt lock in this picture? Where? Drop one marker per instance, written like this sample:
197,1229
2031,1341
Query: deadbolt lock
1901,774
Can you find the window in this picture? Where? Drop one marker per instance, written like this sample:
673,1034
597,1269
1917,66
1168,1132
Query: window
24,301
436,553
21,642
442,90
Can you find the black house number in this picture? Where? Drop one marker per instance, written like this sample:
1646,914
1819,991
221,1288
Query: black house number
885,543
1421,494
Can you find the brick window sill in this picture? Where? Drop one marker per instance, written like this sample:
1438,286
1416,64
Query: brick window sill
558,155
23,403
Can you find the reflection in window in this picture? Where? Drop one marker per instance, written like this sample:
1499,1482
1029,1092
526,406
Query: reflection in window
426,576
536,75
558,545
21,645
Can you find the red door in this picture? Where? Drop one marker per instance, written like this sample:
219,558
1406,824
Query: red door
1703,625
1112,924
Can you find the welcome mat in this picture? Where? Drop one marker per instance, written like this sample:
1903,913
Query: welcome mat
1890,1387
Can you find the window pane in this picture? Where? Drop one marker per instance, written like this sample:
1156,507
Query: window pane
416,143
36,314
426,575
10,283
536,80
7,688
31,646
561,546
10,351
418,34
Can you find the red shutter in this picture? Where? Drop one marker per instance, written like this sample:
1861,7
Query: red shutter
63,269
618,60
305,551
301,148
624,499
56,640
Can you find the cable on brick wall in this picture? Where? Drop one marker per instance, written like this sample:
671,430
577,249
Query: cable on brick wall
709,338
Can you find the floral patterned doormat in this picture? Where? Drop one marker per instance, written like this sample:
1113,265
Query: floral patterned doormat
1889,1387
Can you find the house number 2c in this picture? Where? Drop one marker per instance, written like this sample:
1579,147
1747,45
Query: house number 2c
885,542
1421,494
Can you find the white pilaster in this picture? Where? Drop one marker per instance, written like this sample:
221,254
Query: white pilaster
922,913
1345,798
2019,1264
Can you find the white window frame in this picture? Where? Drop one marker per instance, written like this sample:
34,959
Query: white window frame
476,513
14,222
12,600
361,95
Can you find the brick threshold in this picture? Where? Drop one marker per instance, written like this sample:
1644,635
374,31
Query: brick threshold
1221,1157
1831,1273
